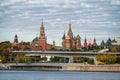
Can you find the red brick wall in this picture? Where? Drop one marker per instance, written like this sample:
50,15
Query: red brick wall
49,47
42,43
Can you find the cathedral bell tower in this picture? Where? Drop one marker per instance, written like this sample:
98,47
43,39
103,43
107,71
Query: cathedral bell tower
42,37
70,33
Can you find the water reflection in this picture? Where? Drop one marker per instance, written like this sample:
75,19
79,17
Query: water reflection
45,75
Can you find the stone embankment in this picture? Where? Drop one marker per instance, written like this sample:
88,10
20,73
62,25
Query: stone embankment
3,66
62,67
93,68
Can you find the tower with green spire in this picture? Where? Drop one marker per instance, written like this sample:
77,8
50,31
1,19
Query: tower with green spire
42,31
78,42
16,39
63,41
63,36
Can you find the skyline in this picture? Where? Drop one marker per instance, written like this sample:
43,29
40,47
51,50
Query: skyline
96,18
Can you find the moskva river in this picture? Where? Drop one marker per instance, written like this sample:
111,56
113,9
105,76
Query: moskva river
49,75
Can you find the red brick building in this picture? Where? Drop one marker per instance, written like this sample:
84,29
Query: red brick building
39,43
86,45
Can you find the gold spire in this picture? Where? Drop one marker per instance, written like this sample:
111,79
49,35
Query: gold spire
42,25
42,32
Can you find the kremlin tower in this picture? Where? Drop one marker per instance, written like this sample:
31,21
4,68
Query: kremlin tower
85,43
42,38
90,45
94,43
38,43
41,41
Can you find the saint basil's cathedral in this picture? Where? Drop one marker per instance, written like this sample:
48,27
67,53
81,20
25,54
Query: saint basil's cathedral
74,43
69,42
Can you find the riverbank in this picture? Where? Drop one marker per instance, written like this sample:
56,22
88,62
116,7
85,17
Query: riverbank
61,67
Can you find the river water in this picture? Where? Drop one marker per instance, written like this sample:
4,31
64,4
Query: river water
48,75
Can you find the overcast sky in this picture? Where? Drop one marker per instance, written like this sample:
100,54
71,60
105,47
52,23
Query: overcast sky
90,18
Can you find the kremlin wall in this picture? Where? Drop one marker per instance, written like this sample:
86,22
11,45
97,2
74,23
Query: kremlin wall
69,42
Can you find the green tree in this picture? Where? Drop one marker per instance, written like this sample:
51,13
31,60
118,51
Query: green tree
44,58
4,49
52,59
15,48
107,58
27,48
26,59
5,53
75,58
102,44
109,42
3,59
113,58
17,59
24,43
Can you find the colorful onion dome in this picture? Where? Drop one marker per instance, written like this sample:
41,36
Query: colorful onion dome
67,37
74,38
78,36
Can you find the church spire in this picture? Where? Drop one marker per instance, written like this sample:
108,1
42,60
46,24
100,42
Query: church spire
78,36
85,43
63,36
94,42
70,31
16,39
42,31
42,25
